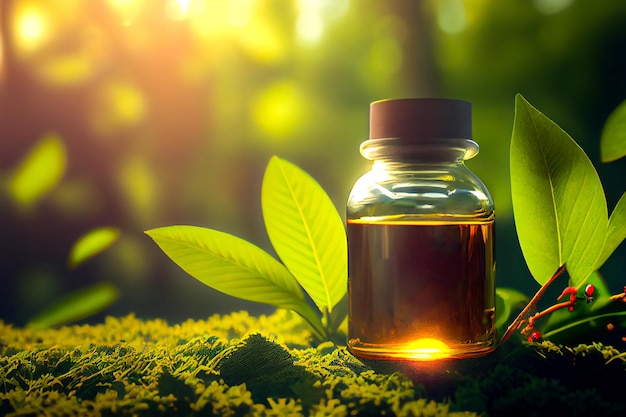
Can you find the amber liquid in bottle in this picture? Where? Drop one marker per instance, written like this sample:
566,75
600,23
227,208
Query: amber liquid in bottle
421,290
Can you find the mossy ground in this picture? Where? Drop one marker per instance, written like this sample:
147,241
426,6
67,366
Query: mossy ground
240,365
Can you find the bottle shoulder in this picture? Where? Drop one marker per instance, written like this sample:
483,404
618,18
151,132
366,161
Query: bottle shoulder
431,191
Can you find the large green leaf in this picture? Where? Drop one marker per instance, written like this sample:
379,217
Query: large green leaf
233,266
558,201
306,231
92,243
616,232
39,171
77,305
613,139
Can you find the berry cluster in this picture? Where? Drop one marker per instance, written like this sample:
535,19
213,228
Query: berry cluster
572,298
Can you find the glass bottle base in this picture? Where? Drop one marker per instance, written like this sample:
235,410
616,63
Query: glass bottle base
424,349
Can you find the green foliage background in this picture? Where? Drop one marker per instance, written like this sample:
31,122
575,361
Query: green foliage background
166,118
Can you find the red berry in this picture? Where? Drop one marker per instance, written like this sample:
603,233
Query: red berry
589,289
535,336
570,308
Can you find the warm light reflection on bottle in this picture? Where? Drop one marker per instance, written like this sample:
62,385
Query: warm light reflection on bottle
427,349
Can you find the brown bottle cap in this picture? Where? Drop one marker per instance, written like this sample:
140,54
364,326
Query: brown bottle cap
421,118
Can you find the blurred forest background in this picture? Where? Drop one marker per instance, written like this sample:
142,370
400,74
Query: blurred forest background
169,110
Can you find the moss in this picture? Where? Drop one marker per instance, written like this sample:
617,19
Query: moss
544,379
238,365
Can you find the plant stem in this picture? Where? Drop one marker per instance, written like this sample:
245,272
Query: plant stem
532,303
549,310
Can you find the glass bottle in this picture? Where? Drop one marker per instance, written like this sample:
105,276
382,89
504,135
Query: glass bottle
421,274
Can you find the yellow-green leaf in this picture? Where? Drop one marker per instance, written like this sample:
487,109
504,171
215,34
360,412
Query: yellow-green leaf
306,231
92,243
616,232
613,138
235,267
39,171
77,305
558,201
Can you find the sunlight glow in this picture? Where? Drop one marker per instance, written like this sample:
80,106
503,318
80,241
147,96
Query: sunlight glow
310,26
239,13
184,5
208,20
31,28
180,9
128,10
427,349
314,14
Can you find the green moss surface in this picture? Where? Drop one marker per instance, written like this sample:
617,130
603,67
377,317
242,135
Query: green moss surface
239,365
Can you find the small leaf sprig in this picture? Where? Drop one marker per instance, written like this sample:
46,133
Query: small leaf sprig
306,232
571,295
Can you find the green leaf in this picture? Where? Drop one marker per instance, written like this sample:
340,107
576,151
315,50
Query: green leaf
92,243
339,313
507,300
306,231
77,305
558,201
235,267
616,231
39,171
613,138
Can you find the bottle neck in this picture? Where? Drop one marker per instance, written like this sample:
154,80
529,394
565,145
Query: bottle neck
423,151
410,167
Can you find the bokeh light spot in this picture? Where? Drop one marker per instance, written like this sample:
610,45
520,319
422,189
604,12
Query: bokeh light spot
239,13
67,70
278,110
31,28
262,42
118,104
552,6
451,16
181,9
39,172
310,25
92,243
208,20
137,182
128,10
